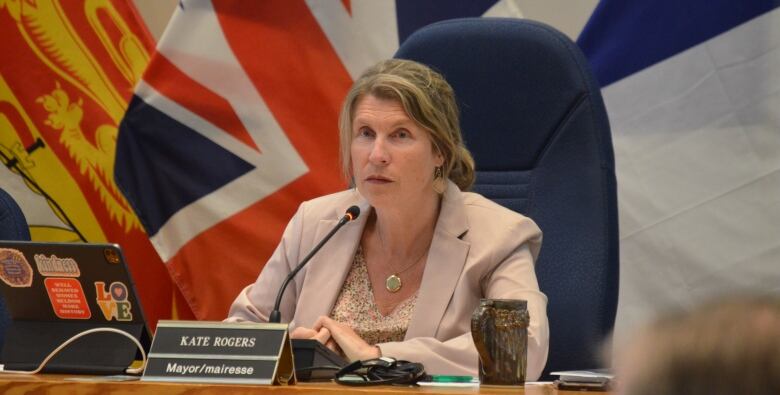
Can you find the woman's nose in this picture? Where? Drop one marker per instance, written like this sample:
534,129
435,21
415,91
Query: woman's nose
379,154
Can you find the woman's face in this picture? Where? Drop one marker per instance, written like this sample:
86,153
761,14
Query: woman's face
393,160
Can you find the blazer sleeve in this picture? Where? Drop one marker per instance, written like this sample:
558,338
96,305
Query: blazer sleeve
513,278
255,302
456,356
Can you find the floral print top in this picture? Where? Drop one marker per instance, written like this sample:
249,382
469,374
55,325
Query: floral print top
355,306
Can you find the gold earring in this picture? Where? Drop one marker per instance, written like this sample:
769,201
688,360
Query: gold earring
438,180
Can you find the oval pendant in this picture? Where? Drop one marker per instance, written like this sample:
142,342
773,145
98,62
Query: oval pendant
393,283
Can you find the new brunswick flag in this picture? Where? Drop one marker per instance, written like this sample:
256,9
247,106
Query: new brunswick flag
68,71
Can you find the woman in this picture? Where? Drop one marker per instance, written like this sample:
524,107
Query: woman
404,278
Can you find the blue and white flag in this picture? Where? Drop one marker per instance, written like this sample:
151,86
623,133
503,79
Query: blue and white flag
692,89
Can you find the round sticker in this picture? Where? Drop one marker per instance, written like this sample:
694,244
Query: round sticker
111,255
14,268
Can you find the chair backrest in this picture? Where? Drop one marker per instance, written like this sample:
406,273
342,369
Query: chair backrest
534,119
13,226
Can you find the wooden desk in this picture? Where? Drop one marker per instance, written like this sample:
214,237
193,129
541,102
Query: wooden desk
67,384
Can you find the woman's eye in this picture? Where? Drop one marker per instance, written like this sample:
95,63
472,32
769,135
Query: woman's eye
402,134
365,132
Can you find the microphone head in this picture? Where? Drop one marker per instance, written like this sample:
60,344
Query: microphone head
352,212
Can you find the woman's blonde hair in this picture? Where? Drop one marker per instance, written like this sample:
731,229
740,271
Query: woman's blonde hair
427,99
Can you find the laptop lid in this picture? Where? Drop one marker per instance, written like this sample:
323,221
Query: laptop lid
53,291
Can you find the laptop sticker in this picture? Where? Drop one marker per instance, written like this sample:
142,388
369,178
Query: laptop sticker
14,268
57,267
113,301
111,255
67,298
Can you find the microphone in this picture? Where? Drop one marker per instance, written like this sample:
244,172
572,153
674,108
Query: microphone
350,215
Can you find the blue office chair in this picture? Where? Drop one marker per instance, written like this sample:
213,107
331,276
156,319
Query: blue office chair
534,119
13,226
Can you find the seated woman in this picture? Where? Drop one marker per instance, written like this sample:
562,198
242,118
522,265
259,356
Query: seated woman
404,278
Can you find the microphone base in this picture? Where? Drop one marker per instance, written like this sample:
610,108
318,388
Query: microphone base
275,317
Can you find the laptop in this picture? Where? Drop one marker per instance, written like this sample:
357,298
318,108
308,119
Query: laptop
53,291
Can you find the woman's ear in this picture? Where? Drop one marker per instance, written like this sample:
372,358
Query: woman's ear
438,158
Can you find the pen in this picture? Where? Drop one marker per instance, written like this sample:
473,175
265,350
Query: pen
451,379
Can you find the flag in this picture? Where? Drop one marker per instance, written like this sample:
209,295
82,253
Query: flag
692,90
67,73
234,124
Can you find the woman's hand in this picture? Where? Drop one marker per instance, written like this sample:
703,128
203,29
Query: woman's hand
353,346
322,335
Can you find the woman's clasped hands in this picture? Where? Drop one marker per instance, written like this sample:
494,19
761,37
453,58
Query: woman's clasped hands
339,338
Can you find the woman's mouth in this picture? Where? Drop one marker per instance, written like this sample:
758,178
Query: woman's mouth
377,179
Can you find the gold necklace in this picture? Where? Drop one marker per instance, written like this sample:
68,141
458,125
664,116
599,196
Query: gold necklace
393,282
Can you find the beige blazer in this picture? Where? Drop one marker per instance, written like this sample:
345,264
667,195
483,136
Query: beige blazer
479,250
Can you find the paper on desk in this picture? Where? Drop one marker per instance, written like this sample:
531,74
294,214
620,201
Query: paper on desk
473,383
595,375
119,377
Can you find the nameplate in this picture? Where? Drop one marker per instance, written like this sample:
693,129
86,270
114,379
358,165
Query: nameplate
220,352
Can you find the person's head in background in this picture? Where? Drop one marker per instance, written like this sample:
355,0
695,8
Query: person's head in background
425,97
727,347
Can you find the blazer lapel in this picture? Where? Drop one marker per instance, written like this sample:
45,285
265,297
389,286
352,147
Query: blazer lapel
445,262
328,269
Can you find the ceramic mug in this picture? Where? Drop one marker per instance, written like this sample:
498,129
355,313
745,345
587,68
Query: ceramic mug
500,331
